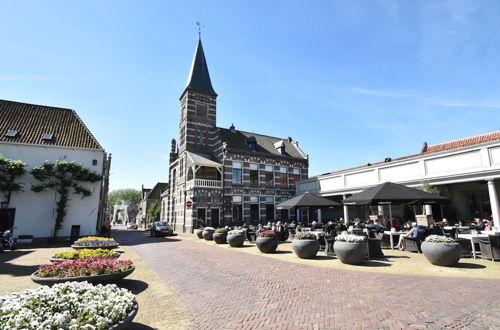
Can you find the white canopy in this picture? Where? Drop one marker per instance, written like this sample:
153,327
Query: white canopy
195,159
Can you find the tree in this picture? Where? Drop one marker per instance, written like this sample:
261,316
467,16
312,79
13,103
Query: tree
10,171
62,177
123,196
426,186
153,211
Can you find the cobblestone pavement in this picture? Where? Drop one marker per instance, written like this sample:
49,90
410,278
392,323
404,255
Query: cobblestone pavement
226,289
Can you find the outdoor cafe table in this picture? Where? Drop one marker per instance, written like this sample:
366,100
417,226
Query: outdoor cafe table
456,227
474,238
392,234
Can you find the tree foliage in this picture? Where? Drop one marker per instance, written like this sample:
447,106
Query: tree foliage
153,211
62,177
10,171
123,196
426,186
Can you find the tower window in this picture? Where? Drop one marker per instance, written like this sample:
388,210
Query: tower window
201,110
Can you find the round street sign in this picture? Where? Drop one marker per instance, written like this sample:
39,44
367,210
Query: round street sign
189,203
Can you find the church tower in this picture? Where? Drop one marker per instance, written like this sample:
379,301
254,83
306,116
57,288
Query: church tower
197,128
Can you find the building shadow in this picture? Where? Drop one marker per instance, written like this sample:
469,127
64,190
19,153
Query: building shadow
135,286
283,252
8,255
139,326
16,270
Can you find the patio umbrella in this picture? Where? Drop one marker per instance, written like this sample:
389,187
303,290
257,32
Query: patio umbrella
389,193
306,200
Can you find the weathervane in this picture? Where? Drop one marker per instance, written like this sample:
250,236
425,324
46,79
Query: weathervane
199,28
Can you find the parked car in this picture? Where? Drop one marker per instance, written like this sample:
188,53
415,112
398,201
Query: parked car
161,228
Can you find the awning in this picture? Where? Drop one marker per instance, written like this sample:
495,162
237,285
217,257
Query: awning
195,159
306,200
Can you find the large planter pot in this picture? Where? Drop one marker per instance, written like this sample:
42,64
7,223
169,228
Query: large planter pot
91,279
208,235
236,240
125,323
109,247
220,238
199,233
440,254
305,248
350,253
267,244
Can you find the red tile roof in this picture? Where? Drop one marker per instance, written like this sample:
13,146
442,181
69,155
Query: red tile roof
431,149
33,121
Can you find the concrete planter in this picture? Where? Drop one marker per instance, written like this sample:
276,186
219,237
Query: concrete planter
440,254
125,323
199,233
267,244
305,248
208,235
220,238
350,253
236,240
91,279
109,247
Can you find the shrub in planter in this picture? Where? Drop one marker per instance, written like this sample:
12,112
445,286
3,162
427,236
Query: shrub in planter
441,250
84,254
219,235
350,249
71,305
305,245
236,238
267,242
208,233
199,232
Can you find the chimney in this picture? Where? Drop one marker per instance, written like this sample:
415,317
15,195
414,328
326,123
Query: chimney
232,129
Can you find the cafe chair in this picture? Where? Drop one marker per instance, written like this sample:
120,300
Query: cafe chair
490,249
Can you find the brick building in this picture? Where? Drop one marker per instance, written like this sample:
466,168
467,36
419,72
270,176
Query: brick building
227,176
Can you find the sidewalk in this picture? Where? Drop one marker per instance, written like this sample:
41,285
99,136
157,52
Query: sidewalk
158,307
394,262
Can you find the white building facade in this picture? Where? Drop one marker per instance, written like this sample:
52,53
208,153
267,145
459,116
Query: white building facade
34,213
466,170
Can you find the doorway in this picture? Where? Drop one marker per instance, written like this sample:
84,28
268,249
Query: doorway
202,216
7,219
214,217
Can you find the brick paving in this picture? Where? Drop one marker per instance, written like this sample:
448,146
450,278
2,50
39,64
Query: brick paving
226,289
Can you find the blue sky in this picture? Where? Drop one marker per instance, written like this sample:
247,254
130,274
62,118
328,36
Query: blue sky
353,81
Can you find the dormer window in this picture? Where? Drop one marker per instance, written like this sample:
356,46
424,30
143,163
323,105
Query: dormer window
47,137
11,133
280,146
252,143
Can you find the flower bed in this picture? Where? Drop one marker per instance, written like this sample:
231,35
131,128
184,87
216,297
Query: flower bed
267,233
84,254
71,305
94,242
84,267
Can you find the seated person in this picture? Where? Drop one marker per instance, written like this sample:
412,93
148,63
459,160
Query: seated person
480,224
412,233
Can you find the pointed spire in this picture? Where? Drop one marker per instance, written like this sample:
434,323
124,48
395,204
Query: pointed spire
199,78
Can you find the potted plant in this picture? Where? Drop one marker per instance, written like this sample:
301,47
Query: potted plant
220,235
109,306
95,242
93,270
441,250
199,232
350,249
208,233
236,238
266,241
84,254
305,245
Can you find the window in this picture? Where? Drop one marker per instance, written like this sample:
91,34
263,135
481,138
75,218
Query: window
254,174
283,178
237,210
269,175
295,175
201,110
254,209
270,208
237,173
